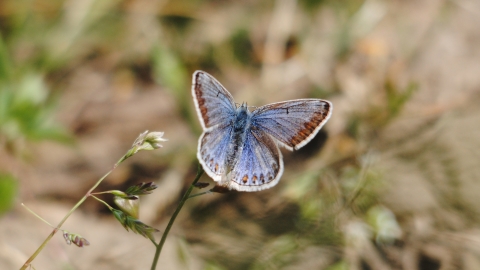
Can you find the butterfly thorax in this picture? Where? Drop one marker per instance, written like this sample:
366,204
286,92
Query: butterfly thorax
241,125
242,119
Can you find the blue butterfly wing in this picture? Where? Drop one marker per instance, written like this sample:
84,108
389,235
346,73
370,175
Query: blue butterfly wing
214,104
212,150
216,111
293,123
259,164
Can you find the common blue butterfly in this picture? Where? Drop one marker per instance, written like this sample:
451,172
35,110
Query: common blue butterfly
239,148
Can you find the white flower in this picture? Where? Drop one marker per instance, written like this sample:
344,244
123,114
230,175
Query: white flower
155,138
147,141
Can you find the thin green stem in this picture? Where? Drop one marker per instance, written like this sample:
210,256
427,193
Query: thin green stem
201,193
174,216
102,192
102,201
55,230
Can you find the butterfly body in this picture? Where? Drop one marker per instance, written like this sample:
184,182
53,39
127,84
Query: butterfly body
241,126
239,148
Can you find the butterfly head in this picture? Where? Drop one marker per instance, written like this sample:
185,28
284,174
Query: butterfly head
242,118
243,106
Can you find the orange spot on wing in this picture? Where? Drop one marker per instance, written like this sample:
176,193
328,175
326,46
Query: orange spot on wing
262,178
201,103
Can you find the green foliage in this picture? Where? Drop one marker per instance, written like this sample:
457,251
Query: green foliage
213,266
129,222
341,265
8,192
366,124
281,252
5,63
242,47
26,112
26,108
396,98
169,70
36,41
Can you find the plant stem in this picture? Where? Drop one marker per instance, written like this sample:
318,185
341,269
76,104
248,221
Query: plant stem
102,201
201,193
55,230
174,216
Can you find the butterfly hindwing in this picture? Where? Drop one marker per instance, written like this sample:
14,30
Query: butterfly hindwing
212,149
293,123
259,165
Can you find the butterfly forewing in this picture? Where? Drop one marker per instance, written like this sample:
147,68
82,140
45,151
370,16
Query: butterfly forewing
213,102
293,123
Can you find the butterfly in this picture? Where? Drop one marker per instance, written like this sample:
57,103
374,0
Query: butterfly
238,148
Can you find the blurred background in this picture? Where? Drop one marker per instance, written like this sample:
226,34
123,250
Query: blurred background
391,181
